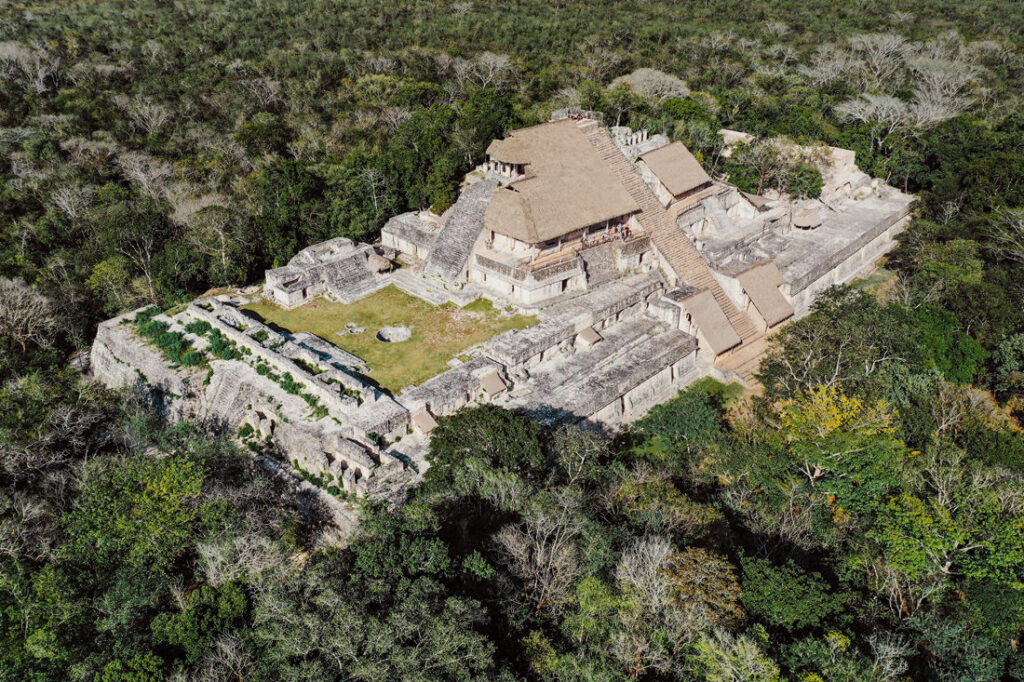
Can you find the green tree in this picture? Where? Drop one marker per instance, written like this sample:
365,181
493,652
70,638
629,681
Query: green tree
786,596
288,207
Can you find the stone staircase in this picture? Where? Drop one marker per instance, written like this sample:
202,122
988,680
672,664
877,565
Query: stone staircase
349,279
414,285
726,226
672,243
745,360
454,244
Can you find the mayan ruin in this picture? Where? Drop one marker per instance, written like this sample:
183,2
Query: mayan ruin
628,270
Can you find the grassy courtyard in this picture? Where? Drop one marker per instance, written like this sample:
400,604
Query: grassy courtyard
439,333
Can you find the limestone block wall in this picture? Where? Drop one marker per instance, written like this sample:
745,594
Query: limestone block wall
635,403
733,289
239,396
411,233
520,350
505,244
233,393
396,242
652,181
523,287
693,219
447,392
858,264
330,395
120,358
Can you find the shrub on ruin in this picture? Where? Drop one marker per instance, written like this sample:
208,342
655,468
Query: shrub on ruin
289,384
152,329
198,327
193,358
170,341
804,181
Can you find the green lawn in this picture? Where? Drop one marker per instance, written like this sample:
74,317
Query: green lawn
439,333
877,283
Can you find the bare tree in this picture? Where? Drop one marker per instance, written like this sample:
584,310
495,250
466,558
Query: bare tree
376,182
248,555
491,70
668,598
541,552
775,29
26,525
73,200
379,64
265,90
148,172
1008,234
891,112
26,316
36,64
152,50
719,40
904,595
601,58
941,86
392,117
890,652
882,55
640,576
725,657
145,114
770,159
227,660
949,408
653,84
577,451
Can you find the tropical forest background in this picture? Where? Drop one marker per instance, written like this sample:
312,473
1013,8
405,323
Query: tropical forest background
862,519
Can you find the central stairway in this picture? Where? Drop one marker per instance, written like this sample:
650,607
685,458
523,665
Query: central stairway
449,256
672,243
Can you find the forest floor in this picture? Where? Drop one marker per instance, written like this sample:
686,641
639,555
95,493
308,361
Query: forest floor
439,333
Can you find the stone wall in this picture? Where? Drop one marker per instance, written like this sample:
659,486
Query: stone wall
880,232
857,264
119,358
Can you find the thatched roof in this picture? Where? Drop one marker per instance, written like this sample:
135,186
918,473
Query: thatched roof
676,168
568,186
588,337
492,384
424,421
761,283
807,219
378,263
707,315
757,200
509,150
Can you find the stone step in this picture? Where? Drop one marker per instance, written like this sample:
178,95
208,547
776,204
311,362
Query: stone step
454,244
350,280
415,285
746,360
679,252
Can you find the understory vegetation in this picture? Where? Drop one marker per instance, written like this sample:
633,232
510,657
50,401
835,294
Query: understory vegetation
861,519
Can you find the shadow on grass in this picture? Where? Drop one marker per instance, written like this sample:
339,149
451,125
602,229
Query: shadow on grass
259,318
